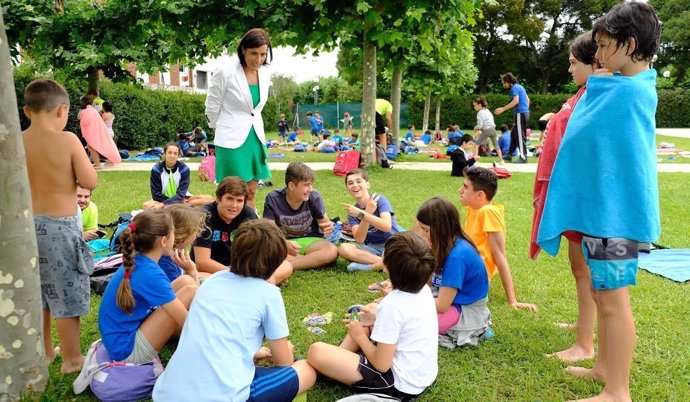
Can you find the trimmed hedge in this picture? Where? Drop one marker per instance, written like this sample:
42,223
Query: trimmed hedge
458,109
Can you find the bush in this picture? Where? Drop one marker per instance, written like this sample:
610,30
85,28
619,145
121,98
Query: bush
143,117
458,109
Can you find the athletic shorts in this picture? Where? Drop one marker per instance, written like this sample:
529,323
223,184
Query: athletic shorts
375,249
64,263
305,242
374,381
274,384
612,262
143,351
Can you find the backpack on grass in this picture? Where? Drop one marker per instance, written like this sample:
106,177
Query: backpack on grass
103,271
346,161
116,381
207,169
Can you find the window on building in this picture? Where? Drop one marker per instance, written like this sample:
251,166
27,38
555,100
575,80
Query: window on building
201,80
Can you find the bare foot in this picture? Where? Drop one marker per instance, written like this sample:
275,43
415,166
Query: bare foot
72,366
573,354
583,372
50,357
565,326
606,397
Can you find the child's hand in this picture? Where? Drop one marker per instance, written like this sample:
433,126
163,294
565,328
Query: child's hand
356,330
181,257
373,203
293,247
326,228
527,306
603,72
351,209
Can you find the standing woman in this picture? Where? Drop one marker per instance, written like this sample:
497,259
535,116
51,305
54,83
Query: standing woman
236,95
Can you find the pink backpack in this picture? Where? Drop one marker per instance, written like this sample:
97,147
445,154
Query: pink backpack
207,169
346,161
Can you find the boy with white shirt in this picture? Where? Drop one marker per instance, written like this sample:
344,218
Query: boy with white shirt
397,353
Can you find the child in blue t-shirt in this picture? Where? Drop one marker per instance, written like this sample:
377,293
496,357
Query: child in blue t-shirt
189,223
282,127
141,309
372,221
504,140
459,278
231,316
409,137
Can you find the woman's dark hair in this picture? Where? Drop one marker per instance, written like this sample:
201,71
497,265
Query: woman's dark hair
443,220
254,38
631,20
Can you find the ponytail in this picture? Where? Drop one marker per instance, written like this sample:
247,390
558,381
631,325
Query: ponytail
125,298
140,236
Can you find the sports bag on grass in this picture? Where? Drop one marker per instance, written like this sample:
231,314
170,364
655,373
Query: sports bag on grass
116,381
501,173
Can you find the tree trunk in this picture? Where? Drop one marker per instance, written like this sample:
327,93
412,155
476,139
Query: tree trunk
368,137
438,113
427,107
396,88
94,75
22,361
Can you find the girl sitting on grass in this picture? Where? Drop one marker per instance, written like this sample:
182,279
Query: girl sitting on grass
140,310
189,223
459,280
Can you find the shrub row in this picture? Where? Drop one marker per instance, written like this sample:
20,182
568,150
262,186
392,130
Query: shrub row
458,109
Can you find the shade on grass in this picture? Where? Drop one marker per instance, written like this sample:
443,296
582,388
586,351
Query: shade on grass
511,366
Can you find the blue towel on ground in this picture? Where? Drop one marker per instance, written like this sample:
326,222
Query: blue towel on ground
670,263
604,181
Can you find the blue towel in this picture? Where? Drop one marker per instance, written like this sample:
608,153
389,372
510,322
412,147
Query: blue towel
670,263
604,181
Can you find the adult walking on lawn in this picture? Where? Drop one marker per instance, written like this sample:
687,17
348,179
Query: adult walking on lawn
236,96
519,101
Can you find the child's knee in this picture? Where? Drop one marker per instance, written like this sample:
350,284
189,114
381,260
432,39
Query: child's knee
316,353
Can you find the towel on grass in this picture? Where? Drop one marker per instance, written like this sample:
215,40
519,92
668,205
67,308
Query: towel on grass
670,263
604,180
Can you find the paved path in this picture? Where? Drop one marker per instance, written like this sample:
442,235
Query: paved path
432,166
674,132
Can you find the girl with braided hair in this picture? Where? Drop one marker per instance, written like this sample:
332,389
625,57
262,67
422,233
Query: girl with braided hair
141,309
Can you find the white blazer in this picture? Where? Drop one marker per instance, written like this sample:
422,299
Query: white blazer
229,105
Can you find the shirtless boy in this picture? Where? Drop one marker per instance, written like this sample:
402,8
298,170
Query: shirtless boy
56,162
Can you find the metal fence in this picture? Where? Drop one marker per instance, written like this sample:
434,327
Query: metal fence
333,114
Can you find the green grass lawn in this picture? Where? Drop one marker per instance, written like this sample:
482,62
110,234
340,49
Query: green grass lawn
511,366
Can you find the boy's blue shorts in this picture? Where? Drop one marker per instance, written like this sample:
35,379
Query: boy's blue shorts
612,262
274,384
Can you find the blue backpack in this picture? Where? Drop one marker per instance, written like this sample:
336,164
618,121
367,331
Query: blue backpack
121,224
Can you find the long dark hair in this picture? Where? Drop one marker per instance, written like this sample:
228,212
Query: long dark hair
443,220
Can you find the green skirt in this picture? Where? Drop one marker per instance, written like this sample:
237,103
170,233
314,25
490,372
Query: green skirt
248,162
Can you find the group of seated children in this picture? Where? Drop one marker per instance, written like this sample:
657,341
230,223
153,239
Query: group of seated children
193,143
